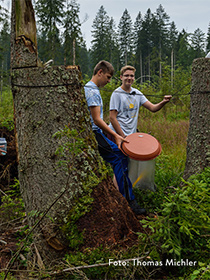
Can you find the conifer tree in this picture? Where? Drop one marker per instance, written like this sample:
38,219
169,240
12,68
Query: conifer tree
137,45
50,14
83,59
183,47
145,42
125,30
162,20
173,36
208,40
100,33
113,45
198,43
3,12
4,45
72,32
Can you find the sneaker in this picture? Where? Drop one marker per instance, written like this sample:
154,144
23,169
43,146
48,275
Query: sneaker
136,208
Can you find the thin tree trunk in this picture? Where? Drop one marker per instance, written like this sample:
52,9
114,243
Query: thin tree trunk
74,51
172,68
2,82
160,66
141,70
198,145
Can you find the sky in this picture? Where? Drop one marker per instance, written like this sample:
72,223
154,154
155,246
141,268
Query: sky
187,14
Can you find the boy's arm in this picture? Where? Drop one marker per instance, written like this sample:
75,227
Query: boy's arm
156,107
95,112
115,123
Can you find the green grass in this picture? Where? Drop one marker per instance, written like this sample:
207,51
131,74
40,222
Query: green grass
6,109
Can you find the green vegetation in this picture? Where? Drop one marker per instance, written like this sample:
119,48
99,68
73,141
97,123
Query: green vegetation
12,205
178,228
6,109
178,232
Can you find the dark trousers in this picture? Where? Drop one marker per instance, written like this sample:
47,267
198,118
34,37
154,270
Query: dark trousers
119,162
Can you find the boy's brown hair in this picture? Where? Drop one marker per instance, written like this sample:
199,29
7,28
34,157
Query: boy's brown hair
105,66
127,67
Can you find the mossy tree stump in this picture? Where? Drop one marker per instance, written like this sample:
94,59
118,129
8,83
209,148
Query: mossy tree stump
87,210
198,143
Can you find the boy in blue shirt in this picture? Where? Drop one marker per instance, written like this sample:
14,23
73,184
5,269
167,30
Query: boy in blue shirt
110,151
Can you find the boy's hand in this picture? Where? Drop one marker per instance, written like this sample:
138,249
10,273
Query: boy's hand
167,98
119,139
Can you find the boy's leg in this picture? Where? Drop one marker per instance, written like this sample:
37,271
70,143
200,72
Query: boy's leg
110,152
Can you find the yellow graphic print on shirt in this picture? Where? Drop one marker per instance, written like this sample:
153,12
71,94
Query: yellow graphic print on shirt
131,107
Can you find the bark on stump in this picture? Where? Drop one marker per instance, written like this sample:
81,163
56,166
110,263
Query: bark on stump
90,211
198,143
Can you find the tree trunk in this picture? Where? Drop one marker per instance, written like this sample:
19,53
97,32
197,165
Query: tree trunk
172,68
141,70
198,145
85,209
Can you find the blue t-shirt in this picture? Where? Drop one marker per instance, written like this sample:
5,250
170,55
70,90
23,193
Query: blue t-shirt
127,105
93,98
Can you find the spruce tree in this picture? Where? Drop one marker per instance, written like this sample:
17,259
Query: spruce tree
72,32
50,14
162,20
137,46
100,34
145,41
4,46
125,31
208,40
183,47
198,43
113,45
83,59
173,36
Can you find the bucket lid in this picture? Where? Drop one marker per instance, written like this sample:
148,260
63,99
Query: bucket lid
141,146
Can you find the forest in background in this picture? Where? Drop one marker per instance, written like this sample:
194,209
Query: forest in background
147,42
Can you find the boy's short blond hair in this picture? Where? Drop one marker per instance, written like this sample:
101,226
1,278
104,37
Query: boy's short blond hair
127,67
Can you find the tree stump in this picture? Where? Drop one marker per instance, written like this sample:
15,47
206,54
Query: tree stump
84,208
198,143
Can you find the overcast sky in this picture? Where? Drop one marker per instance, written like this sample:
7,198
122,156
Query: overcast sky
187,14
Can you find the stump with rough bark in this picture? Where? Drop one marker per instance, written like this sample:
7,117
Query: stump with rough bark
198,143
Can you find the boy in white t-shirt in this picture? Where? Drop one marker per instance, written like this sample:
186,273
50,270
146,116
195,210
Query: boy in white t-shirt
125,103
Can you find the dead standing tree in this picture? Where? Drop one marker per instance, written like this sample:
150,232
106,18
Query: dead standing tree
198,144
89,211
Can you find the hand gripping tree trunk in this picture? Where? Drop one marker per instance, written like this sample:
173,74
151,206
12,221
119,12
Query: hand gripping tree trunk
198,144
51,115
